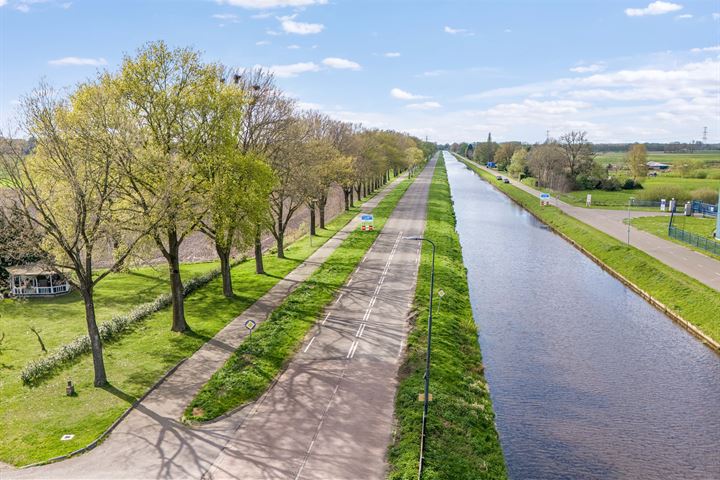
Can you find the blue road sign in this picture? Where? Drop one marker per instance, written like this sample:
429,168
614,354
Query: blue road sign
366,218
545,196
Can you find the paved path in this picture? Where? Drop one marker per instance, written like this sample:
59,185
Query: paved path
151,442
330,415
686,260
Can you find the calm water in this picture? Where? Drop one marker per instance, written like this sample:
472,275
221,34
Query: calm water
587,379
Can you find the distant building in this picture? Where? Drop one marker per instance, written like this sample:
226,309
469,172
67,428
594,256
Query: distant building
657,166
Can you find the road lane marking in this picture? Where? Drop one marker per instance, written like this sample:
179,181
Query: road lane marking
339,298
361,330
402,341
308,345
351,352
326,317
350,281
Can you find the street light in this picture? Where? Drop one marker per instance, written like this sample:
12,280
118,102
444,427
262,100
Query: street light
427,355
630,201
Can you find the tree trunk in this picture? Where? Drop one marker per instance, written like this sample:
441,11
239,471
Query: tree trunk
358,189
176,287
224,254
312,219
95,342
259,266
280,246
347,200
321,210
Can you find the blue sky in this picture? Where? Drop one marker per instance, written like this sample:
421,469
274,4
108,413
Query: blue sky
629,70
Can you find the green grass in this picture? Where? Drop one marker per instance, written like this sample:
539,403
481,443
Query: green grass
259,359
692,300
462,442
32,420
618,158
658,226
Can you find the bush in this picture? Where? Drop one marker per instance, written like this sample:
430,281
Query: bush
630,184
705,195
586,182
611,184
714,175
699,174
657,192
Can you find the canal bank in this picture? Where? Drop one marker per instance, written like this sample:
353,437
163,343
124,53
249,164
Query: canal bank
462,441
690,303
587,379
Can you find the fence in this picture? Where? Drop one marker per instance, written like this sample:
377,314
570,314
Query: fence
705,209
707,244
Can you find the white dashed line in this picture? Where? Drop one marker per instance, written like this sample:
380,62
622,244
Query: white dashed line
311,340
339,298
326,318
353,347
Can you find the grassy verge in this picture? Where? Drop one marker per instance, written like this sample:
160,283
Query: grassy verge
690,299
658,226
259,359
32,420
462,442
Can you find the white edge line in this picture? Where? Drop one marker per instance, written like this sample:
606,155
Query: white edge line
308,345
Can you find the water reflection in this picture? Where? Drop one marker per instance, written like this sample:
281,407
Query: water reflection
587,379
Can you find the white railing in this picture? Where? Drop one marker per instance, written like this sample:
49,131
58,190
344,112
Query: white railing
28,291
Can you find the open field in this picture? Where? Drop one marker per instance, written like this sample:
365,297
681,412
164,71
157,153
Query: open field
709,158
32,420
462,440
658,226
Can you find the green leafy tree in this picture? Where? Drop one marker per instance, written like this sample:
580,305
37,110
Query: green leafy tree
637,161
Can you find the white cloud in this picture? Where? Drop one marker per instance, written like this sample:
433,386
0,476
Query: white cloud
595,67
654,8
225,16
454,31
507,30
293,47
260,16
403,95
341,63
716,15
424,105
289,25
684,16
292,70
433,73
78,62
264,4
391,54
22,7
715,48
262,43
3,3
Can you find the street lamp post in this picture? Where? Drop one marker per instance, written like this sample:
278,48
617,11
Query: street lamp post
427,356
630,201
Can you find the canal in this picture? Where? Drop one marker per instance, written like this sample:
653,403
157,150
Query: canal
587,379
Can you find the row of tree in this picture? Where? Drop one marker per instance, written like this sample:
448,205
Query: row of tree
566,163
167,146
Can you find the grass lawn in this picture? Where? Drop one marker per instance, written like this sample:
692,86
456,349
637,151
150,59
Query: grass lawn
658,226
259,359
692,300
462,441
32,420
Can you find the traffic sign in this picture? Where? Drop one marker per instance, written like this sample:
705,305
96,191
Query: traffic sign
545,196
366,217
250,324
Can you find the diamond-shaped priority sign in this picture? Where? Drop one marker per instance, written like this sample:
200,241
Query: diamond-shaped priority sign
250,324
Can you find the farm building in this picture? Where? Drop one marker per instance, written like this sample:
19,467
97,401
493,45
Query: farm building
657,166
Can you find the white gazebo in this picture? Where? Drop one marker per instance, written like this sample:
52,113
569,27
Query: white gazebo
36,280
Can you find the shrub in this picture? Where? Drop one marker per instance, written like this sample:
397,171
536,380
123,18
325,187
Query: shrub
611,184
657,192
630,184
586,182
714,175
706,195
699,174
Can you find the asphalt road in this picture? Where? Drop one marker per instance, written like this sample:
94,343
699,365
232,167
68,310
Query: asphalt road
694,264
330,414
151,442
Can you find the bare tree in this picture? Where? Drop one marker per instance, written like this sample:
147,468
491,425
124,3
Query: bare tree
578,154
